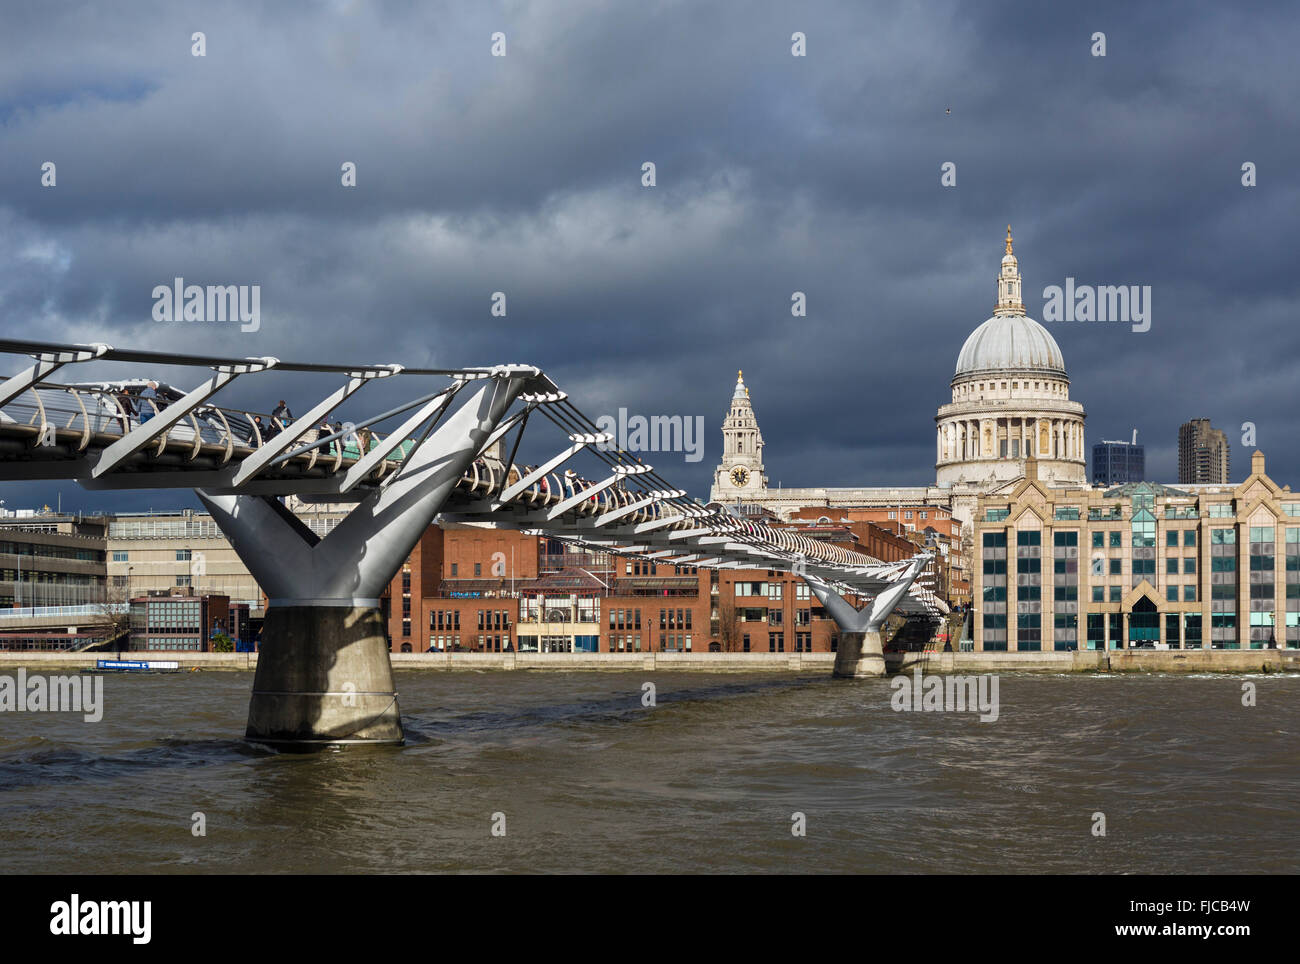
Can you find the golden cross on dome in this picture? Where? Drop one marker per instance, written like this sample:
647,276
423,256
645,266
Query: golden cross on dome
1008,239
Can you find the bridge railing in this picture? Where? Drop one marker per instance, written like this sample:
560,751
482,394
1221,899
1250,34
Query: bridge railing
102,413
38,612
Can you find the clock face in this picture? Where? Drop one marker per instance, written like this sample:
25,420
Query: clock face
739,476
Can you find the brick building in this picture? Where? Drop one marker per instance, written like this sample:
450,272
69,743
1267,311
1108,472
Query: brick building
485,590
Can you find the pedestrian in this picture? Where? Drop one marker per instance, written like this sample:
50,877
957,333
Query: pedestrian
281,416
127,408
148,402
259,432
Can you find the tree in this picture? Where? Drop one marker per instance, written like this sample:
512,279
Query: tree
221,643
728,628
111,622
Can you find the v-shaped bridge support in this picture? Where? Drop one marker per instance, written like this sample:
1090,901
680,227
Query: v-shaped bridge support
861,649
323,671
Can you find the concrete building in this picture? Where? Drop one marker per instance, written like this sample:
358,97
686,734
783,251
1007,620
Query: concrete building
1203,454
158,551
53,591
1115,463
50,559
1139,565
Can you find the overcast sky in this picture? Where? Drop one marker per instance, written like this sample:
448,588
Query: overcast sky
775,174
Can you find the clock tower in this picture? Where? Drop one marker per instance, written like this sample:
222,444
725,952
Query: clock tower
739,476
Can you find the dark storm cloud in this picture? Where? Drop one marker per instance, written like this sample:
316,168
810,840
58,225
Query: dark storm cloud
775,174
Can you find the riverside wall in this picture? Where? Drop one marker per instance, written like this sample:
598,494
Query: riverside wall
1088,661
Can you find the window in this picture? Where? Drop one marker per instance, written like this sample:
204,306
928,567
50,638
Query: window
1116,594
120,555
1171,537
996,515
182,555
1116,539
1098,540
454,567
182,580
1189,537
478,569
1171,566
1189,594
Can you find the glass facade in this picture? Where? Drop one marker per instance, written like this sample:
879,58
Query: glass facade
1065,586
1029,591
994,579
1263,563
1223,588
1114,463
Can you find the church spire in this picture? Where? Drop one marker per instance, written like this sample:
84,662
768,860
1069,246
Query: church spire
1010,299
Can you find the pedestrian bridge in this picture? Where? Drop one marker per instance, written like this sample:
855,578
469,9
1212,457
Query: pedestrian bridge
491,446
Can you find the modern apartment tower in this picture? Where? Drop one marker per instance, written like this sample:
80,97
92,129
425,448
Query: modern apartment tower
1202,454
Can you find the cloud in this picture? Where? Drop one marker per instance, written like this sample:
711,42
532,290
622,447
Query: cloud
521,174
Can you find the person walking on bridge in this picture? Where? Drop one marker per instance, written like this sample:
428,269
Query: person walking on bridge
281,416
148,402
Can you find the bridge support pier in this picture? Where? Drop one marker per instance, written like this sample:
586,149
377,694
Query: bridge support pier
859,654
324,677
861,649
323,671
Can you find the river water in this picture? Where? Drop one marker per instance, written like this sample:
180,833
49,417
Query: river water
708,780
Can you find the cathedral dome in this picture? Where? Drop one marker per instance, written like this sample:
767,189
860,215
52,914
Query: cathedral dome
1010,343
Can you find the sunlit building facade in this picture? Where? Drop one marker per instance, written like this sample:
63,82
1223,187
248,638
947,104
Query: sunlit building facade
1139,565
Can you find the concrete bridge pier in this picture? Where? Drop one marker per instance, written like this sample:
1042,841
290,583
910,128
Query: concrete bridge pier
861,649
860,654
323,677
323,672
